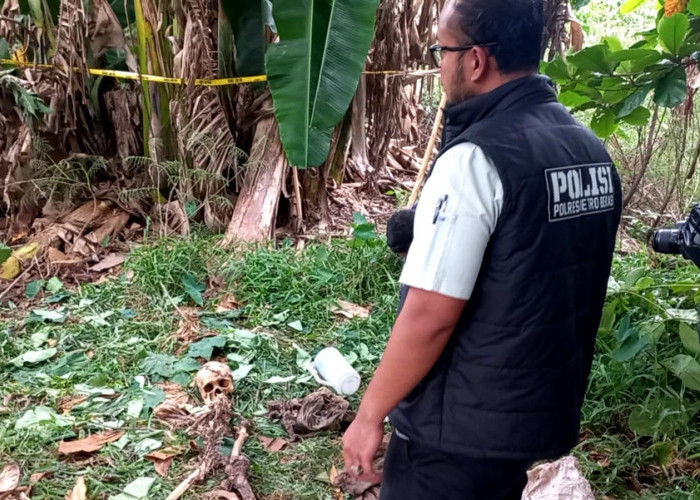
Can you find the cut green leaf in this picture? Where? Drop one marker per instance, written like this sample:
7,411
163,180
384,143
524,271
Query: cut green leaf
34,357
686,368
689,338
205,347
193,289
159,364
33,288
136,490
45,315
242,372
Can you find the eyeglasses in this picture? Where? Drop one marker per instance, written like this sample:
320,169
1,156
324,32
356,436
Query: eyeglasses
436,50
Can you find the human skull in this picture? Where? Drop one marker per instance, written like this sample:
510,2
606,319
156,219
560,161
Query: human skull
213,379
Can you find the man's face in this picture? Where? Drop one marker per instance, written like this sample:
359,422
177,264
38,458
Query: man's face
454,67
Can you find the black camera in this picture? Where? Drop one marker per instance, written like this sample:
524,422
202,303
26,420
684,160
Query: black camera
683,240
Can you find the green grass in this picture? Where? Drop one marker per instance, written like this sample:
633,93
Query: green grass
113,332
119,337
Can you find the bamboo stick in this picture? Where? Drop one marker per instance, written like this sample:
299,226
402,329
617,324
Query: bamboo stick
428,153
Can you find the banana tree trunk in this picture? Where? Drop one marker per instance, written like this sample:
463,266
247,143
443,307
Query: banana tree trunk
254,217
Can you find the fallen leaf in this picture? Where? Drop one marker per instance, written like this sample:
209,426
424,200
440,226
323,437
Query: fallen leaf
12,266
66,404
332,475
9,478
222,494
54,256
189,325
162,466
227,303
163,459
350,310
79,491
18,236
273,444
137,489
37,476
90,444
108,262
174,392
169,452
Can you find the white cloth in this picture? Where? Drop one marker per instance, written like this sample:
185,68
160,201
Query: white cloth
456,216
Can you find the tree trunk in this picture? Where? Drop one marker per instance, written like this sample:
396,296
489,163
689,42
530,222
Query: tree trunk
254,217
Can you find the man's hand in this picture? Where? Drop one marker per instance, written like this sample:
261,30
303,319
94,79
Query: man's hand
360,444
420,334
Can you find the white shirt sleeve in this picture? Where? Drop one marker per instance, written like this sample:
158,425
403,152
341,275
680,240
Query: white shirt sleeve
456,216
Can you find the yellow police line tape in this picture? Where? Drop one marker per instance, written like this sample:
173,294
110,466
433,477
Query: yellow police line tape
202,82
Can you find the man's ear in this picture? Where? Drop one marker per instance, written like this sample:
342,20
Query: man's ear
479,63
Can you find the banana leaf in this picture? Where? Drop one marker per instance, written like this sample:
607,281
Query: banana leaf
314,70
125,13
226,68
247,19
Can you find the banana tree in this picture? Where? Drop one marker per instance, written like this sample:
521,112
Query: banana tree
314,69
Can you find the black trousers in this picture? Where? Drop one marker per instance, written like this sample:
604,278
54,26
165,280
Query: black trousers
415,472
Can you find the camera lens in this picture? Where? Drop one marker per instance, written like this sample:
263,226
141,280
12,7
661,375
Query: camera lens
666,241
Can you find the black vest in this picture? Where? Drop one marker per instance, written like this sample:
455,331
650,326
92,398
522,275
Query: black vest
511,382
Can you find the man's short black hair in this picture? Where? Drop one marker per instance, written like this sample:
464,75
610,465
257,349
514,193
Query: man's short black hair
517,26
399,231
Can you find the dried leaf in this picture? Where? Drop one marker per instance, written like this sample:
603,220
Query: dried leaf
227,303
162,466
37,476
90,444
350,310
222,494
65,405
10,268
174,393
90,214
108,262
165,453
273,444
332,476
577,36
79,491
9,478
189,325
54,256
672,7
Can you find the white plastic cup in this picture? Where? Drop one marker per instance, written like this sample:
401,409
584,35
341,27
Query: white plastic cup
330,368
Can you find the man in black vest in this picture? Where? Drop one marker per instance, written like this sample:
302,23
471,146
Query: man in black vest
488,362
